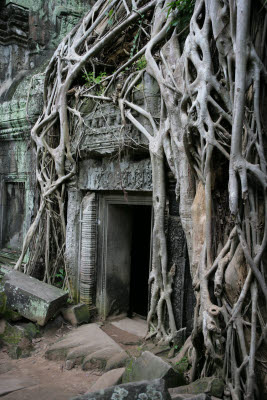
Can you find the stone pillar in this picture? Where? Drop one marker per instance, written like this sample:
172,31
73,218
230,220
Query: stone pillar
88,250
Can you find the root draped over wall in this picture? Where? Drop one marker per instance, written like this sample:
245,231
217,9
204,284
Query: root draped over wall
211,131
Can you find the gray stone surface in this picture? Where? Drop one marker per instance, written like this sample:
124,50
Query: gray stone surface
148,367
202,396
87,345
211,385
144,390
33,299
136,326
179,338
110,378
9,384
76,314
117,361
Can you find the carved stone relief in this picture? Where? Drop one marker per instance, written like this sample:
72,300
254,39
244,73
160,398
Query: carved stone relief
113,175
105,133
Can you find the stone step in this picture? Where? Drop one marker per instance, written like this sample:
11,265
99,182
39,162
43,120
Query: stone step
136,326
87,345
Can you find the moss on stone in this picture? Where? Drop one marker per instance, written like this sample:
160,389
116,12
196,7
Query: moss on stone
31,330
12,334
182,366
2,303
128,371
11,315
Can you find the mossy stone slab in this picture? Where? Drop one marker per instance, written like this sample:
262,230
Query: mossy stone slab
31,298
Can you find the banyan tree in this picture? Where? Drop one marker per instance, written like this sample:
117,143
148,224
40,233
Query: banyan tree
211,133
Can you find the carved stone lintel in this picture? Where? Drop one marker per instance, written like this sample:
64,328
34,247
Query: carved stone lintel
106,175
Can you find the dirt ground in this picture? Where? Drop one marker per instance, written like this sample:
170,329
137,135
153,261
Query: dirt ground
36,378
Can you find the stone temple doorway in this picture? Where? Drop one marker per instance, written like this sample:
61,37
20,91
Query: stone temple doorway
126,257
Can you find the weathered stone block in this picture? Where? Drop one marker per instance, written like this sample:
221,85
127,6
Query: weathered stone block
18,338
148,367
211,385
117,361
87,345
110,378
34,300
202,396
12,334
76,314
149,390
179,338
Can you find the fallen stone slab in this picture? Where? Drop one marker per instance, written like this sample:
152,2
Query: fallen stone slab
31,298
149,367
148,390
110,378
87,345
76,314
210,385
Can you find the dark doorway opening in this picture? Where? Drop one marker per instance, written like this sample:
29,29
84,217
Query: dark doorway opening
127,259
140,260
14,211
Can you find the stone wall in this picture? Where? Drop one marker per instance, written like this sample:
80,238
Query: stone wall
30,30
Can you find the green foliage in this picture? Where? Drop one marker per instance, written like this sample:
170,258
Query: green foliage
128,371
134,45
136,37
185,10
110,19
91,79
140,63
60,278
183,365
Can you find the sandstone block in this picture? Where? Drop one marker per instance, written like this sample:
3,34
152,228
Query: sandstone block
110,378
149,390
211,385
76,314
202,396
149,367
31,298
87,345
119,360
